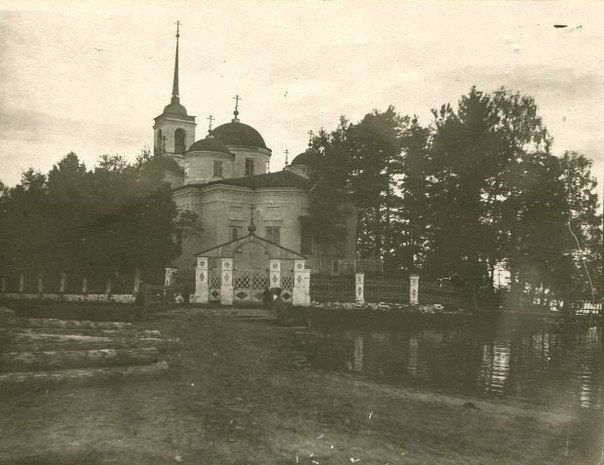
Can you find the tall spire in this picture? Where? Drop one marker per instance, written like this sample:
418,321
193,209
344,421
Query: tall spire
175,96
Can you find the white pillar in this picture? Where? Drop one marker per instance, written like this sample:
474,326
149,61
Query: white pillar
414,289
137,281
301,293
226,281
202,290
359,279
108,286
63,282
274,266
169,274
21,282
40,284
84,285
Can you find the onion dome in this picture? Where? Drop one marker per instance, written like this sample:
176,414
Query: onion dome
237,133
163,163
309,157
209,144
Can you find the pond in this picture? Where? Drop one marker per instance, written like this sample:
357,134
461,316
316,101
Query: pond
544,364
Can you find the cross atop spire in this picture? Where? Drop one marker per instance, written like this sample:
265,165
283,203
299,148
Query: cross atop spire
175,96
236,112
310,136
210,119
286,157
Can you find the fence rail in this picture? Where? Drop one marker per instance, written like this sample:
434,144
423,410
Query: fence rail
386,289
434,293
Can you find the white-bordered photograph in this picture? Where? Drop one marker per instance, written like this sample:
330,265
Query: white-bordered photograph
301,232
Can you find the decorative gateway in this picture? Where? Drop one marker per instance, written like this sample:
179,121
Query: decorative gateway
257,265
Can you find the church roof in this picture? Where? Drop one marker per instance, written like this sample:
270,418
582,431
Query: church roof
209,144
163,163
306,158
278,179
237,133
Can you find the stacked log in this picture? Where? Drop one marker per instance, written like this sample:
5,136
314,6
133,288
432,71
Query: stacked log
36,351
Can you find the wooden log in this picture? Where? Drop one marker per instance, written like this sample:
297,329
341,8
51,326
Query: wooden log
60,360
85,332
55,323
21,380
164,345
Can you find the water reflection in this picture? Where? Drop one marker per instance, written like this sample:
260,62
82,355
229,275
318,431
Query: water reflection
547,364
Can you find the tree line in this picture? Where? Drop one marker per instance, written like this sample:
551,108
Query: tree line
112,219
472,196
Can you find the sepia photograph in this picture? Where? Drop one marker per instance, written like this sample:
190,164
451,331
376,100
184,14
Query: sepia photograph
310,232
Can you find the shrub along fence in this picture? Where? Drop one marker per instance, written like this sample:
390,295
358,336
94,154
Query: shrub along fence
374,288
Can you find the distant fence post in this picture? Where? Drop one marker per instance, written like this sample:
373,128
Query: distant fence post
137,281
84,285
274,272
359,288
21,282
414,289
40,284
108,286
226,282
62,282
202,289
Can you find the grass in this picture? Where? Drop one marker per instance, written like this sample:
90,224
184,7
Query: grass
242,396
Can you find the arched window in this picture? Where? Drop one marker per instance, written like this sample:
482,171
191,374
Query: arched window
159,145
179,140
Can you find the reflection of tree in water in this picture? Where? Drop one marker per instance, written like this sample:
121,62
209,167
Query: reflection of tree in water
543,364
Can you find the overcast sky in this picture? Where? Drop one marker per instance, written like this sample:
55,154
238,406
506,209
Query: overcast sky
91,78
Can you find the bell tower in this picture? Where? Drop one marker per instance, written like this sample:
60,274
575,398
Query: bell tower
174,130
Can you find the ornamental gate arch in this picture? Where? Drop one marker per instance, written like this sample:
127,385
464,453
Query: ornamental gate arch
241,270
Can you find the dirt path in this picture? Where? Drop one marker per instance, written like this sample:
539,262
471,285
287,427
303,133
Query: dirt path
240,397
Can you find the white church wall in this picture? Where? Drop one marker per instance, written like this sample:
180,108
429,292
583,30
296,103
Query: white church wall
260,157
199,167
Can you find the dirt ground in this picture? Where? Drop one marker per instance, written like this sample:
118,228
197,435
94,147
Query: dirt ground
242,396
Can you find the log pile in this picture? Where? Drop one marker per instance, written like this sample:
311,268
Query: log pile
38,352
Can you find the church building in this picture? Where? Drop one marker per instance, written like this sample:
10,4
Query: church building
224,178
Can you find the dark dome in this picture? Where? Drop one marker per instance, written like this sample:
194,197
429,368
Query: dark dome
175,108
306,158
163,163
236,133
209,144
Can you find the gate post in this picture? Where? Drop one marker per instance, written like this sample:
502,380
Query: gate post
359,288
226,281
274,266
414,289
301,295
21,282
202,290
169,273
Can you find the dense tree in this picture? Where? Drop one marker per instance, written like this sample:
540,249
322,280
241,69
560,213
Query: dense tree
112,219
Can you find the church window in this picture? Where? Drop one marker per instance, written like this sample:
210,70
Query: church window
217,169
249,167
273,234
236,232
179,140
